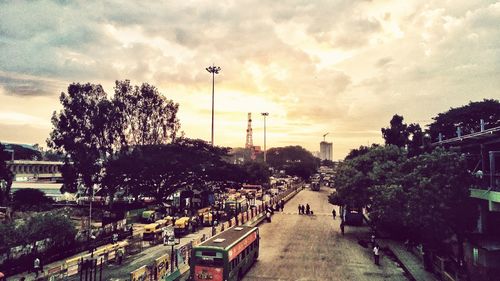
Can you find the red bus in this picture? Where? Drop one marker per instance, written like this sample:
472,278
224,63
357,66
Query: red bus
226,256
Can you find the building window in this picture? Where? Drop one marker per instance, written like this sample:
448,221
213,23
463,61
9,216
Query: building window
475,256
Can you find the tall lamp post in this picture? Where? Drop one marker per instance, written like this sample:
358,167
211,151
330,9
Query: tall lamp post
265,114
214,70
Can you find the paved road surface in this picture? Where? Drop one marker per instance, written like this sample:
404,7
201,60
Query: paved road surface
300,247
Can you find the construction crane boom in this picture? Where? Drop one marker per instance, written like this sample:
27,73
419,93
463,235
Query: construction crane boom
325,136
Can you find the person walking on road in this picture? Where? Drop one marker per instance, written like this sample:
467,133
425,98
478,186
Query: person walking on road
342,227
334,213
308,208
300,209
36,266
372,240
376,254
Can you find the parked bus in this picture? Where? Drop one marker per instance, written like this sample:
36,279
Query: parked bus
226,256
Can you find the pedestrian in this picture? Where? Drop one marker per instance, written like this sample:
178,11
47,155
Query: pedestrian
308,208
300,209
268,215
334,213
119,255
36,266
372,240
282,205
115,238
376,254
342,227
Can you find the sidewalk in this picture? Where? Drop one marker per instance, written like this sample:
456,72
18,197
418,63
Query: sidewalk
410,263
31,276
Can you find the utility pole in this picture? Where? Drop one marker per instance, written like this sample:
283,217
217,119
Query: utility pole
214,70
265,114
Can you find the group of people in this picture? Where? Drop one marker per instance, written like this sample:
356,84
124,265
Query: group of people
305,210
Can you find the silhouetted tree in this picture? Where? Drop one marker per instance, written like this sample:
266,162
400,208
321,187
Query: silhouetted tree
30,199
143,116
295,160
467,117
6,175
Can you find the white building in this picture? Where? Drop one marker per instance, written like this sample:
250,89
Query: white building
326,150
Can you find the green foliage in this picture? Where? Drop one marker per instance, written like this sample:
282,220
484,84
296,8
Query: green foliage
159,170
355,177
30,199
425,198
54,225
467,117
397,134
143,115
256,173
92,128
403,135
70,177
295,160
438,187
80,129
6,175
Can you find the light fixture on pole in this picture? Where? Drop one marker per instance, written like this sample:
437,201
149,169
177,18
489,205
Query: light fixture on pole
265,114
214,70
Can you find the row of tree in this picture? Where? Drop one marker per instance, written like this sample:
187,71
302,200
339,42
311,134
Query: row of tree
130,142
411,189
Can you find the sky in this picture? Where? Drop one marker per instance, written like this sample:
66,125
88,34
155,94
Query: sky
342,67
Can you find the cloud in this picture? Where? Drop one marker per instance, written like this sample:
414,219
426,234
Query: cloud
340,66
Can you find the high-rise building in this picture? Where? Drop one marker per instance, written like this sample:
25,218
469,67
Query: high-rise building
326,150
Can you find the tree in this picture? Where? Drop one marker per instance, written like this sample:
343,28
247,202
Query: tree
466,117
397,134
54,225
439,206
70,177
256,173
356,177
143,115
295,160
81,130
160,170
30,199
6,176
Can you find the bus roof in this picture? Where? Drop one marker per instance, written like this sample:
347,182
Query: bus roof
228,237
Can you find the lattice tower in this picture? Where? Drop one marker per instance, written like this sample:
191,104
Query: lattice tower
249,142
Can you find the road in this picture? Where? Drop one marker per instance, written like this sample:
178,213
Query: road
300,247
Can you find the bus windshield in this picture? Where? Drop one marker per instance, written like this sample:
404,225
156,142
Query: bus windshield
216,262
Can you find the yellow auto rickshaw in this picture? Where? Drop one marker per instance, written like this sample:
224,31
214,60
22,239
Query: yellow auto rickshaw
181,225
152,232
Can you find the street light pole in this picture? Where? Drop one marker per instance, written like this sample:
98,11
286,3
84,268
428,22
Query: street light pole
214,70
265,114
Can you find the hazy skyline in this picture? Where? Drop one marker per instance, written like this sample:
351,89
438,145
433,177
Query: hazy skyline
343,67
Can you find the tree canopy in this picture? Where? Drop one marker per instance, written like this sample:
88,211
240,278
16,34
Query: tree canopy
466,117
295,160
425,198
91,128
6,175
406,136
30,199
159,170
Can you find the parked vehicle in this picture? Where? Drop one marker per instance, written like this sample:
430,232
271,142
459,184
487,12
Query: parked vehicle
181,225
